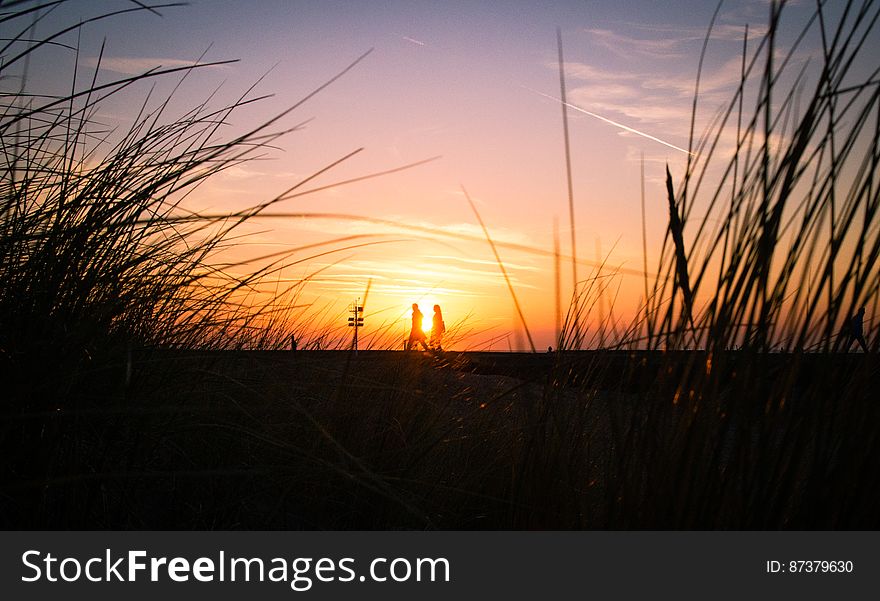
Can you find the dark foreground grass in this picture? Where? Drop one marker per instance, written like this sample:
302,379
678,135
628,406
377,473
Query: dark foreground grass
392,440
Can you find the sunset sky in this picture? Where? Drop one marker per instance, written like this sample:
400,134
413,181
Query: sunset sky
474,83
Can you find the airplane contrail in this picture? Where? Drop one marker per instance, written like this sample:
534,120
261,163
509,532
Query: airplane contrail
610,121
413,40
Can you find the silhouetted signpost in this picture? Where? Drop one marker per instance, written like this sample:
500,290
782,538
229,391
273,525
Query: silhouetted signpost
356,320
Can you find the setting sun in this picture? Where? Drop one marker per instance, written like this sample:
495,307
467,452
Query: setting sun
426,306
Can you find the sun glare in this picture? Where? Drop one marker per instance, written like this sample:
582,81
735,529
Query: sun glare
426,306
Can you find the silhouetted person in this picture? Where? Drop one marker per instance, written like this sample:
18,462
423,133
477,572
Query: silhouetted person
292,342
856,330
417,333
438,328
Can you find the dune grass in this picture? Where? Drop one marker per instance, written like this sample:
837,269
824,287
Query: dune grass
134,400
96,263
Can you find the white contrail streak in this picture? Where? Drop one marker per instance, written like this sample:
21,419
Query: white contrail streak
413,40
610,121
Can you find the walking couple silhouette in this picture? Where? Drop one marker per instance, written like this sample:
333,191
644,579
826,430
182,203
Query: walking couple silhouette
417,332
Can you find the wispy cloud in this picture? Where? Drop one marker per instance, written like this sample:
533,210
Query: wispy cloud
484,262
724,32
719,80
671,41
366,226
652,104
628,46
617,124
584,71
408,275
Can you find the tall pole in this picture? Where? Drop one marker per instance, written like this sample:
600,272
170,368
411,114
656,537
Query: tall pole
356,321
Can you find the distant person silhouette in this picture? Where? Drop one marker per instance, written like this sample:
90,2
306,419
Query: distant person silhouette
438,328
856,330
417,333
